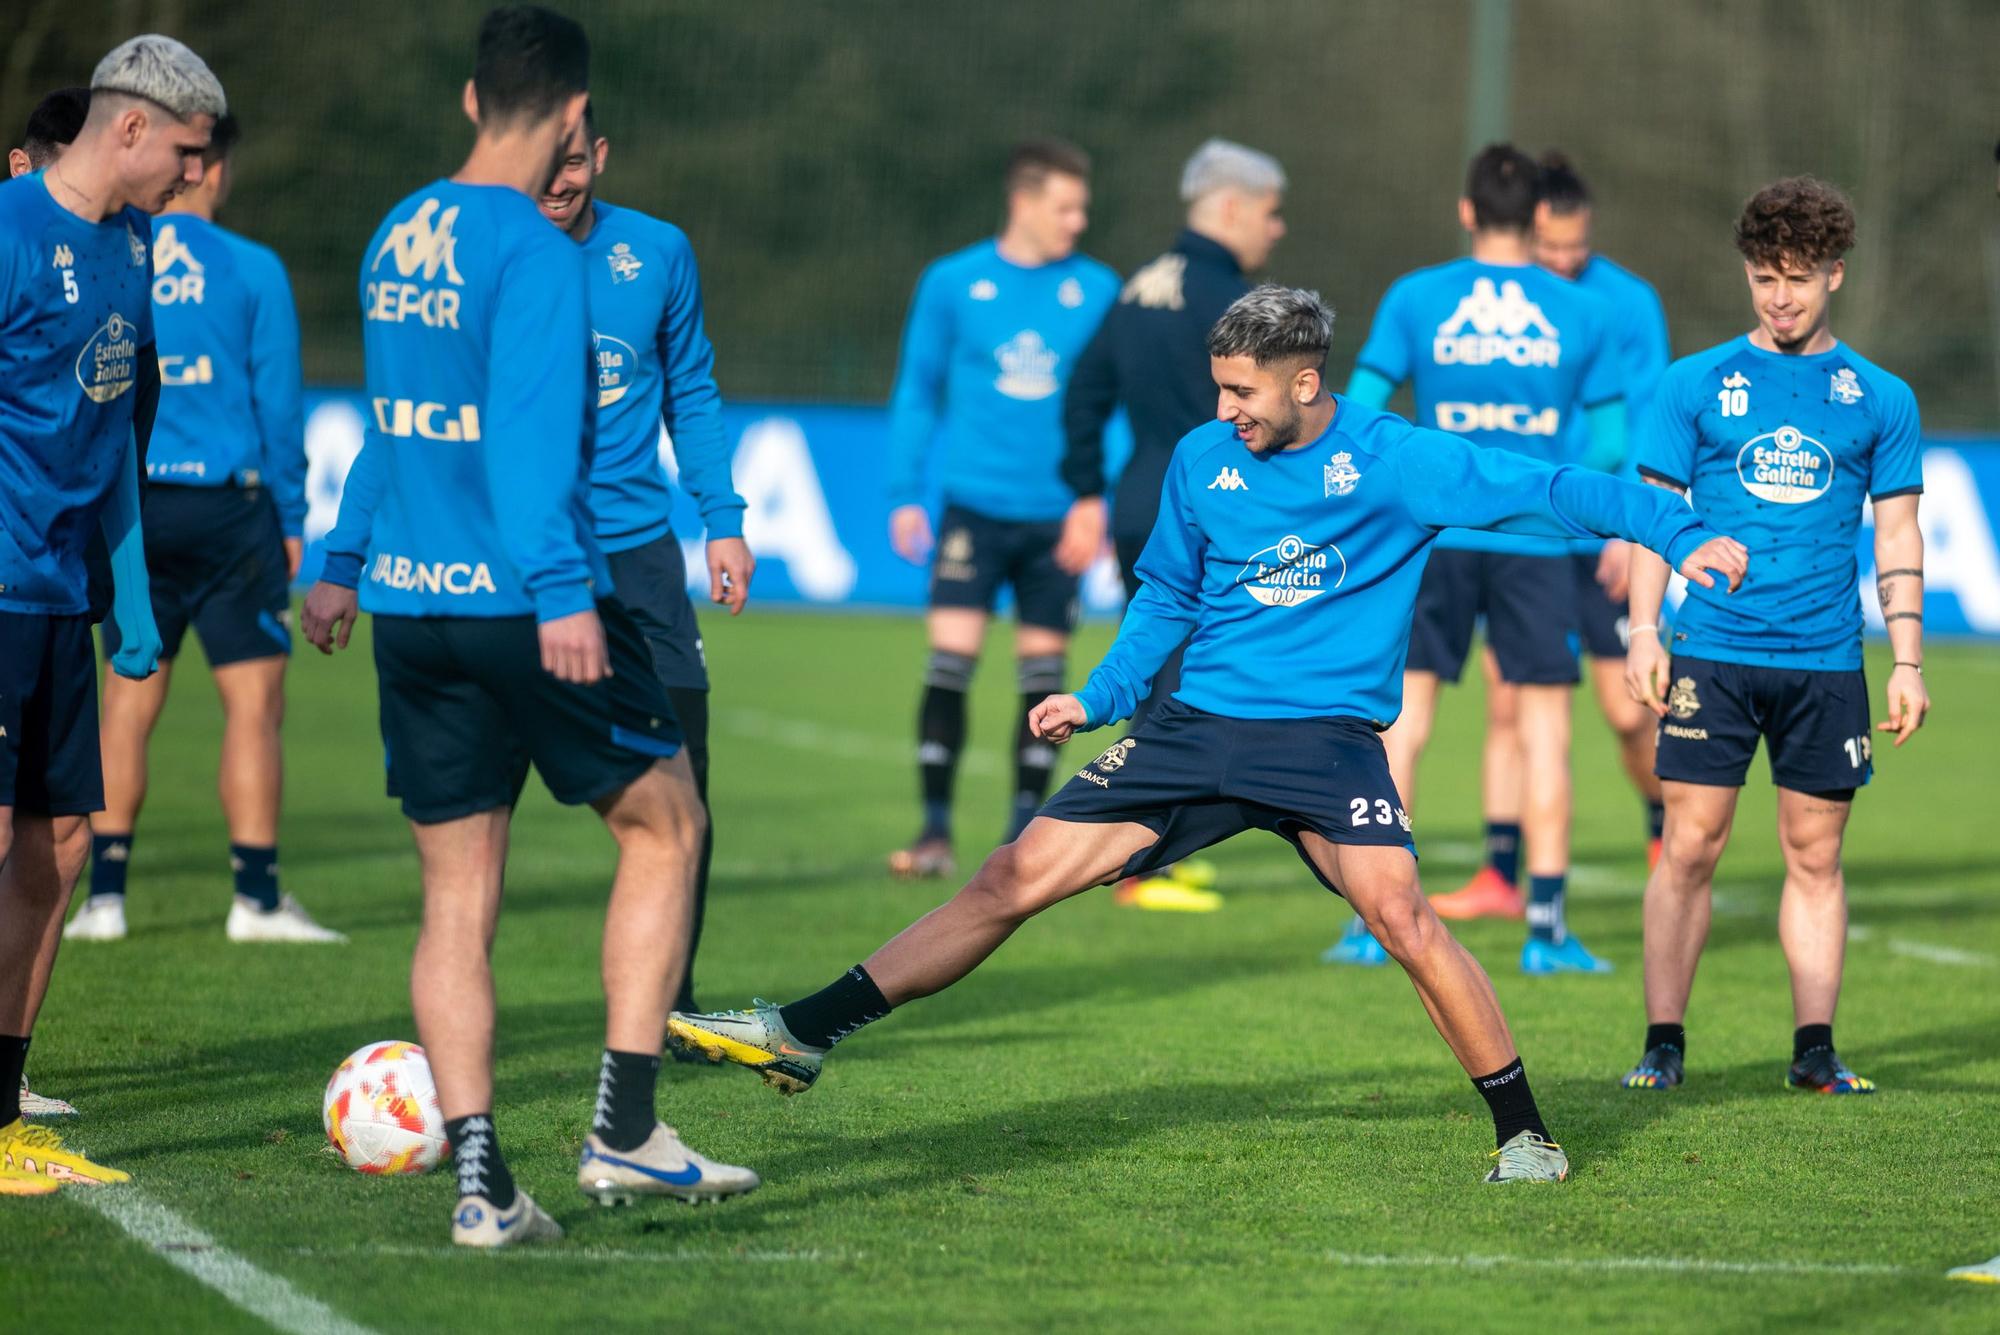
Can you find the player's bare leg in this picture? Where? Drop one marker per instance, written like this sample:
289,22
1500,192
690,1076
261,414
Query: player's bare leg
658,821
131,709
1039,656
1407,737
1812,927
1494,890
251,777
40,860
956,636
1677,909
1546,798
1380,882
1051,861
451,974
1635,730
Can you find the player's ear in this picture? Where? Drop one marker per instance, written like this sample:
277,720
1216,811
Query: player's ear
17,162
1466,217
1835,274
601,152
470,101
1305,385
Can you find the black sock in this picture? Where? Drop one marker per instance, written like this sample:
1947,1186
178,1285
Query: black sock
1033,759
1656,818
109,856
1667,1036
832,1013
625,1083
256,874
1545,909
941,736
1810,1038
476,1152
1511,1102
13,1060
1503,849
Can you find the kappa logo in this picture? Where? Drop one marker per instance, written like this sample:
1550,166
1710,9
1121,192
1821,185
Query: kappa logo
1682,702
1504,326
1158,286
1027,367
984,289
616,364
1846,387
1070,294
65,258
1737,381
1292,571
421,243
624,264
1786,467
170,252
1228,480
1342,477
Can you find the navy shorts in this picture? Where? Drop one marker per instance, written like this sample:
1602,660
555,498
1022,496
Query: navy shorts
1814,722
1529,603
49,763
650,582
466,709
1600,619
1198,778
217,560
977,554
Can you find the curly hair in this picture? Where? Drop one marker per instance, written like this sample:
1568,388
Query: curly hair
1801,219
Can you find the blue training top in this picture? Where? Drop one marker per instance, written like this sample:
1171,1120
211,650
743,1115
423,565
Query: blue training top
471,492
654,364
1779,450
75,323
1295,573
987,350
1639,331
1503,355
231,382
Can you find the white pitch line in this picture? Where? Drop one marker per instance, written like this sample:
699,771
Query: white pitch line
612,1255
186,1248
1692,1265
1917,950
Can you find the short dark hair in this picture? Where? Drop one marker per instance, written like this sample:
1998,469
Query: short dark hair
1272,324
1560,185
1801,218
222,140
530,59
1501,183
1036,160
54,124
590,120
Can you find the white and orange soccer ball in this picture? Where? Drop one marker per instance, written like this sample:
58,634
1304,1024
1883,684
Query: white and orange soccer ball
381,1110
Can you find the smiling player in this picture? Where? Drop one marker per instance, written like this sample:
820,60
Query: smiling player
1293,587
1784,431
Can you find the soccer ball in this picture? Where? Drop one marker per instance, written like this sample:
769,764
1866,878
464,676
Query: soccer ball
381,1110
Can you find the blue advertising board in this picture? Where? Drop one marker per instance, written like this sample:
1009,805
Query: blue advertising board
818,517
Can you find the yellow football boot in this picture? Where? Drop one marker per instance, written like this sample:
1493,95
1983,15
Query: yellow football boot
38,1151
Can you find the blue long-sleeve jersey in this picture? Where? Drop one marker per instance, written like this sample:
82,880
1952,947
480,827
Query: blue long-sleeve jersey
231,399
654,364
1293,575
1503,355
472,486
987,350
75,327
1781,450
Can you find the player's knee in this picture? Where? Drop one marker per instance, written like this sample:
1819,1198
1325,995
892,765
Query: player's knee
1403,923
1007,886
1691,849
1814,867
950,671
1040,675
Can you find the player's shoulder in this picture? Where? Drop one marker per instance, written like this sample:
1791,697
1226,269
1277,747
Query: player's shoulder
1093,273
617,222
1609,278
1889,389
1375,432
1689,371
1205,440
1429,277
975,258
253,256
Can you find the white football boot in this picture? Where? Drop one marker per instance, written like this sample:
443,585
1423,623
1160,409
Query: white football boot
663,1166
289,922
41,1105
102,918
476,1223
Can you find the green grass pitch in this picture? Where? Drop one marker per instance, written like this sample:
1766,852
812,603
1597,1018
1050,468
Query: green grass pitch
1124,1120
